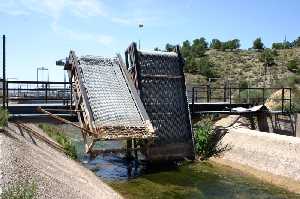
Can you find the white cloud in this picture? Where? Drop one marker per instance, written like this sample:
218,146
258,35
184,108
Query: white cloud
53,8
87,8
11,8
104,39
82,36
134,20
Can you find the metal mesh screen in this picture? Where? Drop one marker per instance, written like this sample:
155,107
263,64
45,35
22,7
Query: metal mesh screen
162,91
109,96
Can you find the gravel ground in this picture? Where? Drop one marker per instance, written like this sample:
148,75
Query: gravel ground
23,158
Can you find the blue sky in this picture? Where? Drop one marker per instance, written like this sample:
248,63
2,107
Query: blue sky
41,31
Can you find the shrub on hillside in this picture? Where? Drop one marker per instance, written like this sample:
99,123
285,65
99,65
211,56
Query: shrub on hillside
251,96
268,57
293,65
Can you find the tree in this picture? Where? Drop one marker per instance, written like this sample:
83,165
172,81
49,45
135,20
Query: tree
231,44
216,44
157,49
199,47
186,49
277,46
170,47
296,42
258,44
282,45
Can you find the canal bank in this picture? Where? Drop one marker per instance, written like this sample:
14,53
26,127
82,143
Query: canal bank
270,157
188,180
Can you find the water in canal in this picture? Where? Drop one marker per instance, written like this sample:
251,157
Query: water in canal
201,180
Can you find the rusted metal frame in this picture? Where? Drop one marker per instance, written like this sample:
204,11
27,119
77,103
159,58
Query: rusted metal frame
131,56
87,109
189,119
41,137
64,120
85,117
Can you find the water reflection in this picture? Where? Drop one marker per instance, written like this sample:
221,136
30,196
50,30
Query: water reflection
113,166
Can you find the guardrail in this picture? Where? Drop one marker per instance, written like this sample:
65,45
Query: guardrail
235,95
28,92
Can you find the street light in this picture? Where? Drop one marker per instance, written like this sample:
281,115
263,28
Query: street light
37,74
140,28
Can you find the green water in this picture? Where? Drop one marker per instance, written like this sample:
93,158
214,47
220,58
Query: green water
200,180
204,180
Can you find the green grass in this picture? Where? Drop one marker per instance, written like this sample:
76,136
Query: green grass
4,115
20,191
59,136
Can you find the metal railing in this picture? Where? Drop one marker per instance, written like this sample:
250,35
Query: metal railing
29,92
236,95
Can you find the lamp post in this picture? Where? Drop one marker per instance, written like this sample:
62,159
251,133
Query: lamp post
37,74
140,28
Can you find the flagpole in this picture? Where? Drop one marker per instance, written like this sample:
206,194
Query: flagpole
140,28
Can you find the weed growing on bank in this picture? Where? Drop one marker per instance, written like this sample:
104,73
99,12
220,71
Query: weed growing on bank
61,138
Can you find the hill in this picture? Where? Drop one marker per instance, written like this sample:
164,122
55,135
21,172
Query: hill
246,67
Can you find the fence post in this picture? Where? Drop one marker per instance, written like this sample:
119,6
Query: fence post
208,92
282,100
290,99
225,89
230,97
239,95
3,73
46,92
193,100
263,95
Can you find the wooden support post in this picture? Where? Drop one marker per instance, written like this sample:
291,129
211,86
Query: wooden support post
129,149
135,147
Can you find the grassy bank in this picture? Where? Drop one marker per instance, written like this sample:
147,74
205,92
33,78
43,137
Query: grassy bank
4,115
20,190
59,136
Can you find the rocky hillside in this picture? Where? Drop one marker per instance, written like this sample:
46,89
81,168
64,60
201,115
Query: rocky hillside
245,65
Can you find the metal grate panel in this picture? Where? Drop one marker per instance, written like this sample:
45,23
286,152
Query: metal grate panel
109,96
160,80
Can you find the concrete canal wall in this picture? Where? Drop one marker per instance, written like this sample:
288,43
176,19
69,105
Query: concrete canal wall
272,157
